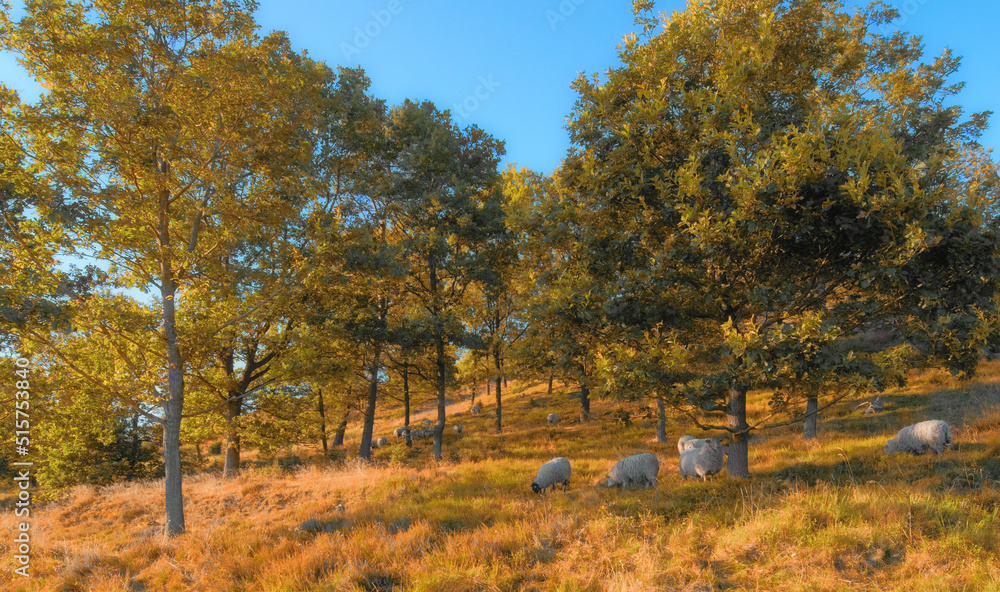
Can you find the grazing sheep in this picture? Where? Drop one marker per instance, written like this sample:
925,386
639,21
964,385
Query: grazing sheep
426,422
476,409
553,418
920,437
383,441
552,473
702,461
457,414
400,432
374,445
458,428
687,443
638,469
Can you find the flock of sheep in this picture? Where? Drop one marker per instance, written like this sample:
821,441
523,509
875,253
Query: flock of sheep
698,457
706,457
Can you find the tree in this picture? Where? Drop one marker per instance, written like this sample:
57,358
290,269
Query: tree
447,183
756,167
176,130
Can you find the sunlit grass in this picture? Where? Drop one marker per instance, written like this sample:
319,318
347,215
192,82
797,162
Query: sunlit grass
833,514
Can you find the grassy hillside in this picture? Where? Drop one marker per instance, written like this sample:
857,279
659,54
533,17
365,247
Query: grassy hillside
831,515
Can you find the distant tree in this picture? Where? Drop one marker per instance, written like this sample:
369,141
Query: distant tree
754,168
447,182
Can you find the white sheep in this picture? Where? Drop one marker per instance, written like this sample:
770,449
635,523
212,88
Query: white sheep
383,441
687,443
476,409
553,418
638,469
458,428
918,438
552,473
457,414
400,432
702,461
426,422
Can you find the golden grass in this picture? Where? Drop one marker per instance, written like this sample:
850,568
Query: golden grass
829,515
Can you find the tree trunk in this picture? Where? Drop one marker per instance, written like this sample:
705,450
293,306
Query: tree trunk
322,422
197,451
406,396
440,360
498,363
174,404
812,416
406,404
338,434
369,420
738,464
232,410
441,383
134,452
488,388
584,402
551,378
661,425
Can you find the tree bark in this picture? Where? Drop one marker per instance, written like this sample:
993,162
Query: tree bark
440,361
812,417
406,396
233,409
738,464
174,404
406,405
134,452
338,434
498,363
369,420
661,425
322,422
551,378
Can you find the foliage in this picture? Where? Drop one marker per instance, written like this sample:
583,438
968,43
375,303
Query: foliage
766,178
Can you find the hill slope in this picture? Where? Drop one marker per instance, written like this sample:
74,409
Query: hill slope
832,515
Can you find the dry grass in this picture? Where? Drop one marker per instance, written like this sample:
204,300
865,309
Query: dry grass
829,515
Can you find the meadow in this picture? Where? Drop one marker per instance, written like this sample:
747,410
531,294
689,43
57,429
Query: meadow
834,514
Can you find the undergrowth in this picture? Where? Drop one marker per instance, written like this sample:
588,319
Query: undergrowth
832,514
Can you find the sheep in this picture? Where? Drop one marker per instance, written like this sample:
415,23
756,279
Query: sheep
687,443
426,422
383,441
552,473
457,414
400,432
476,410
870,407
920,437
702,461
553,418
638,469
458,428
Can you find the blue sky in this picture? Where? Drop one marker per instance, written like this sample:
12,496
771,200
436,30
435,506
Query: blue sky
507,66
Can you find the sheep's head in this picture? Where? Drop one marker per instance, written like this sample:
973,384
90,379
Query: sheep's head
535,487
890,447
